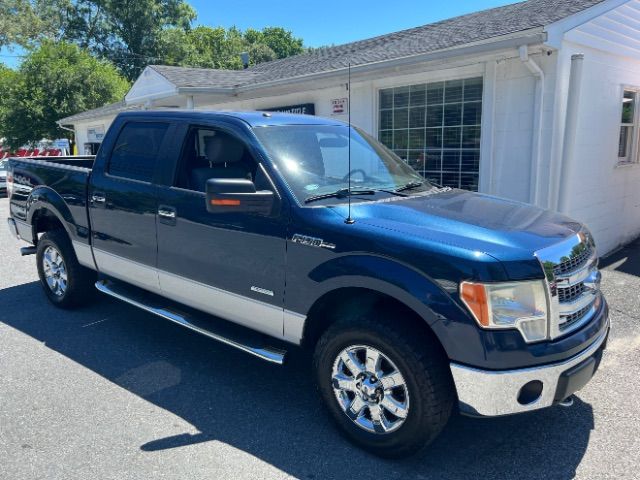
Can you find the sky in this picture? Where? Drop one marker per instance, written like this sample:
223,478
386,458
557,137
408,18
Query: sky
323,22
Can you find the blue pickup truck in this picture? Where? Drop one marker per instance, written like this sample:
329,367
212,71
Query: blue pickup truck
254,229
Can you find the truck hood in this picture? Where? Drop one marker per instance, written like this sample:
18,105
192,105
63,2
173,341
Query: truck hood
505,229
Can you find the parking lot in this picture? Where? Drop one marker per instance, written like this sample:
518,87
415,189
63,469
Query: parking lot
111,392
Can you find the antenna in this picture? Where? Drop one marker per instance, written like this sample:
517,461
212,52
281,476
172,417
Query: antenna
349,220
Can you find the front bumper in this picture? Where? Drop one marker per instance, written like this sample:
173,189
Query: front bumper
493,393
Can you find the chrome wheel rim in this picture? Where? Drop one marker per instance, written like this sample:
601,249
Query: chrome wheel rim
370,389
55,271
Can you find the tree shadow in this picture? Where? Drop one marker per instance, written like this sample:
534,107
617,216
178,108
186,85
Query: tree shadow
273,412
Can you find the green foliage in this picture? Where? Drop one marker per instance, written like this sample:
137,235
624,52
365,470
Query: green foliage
54,81
280,41
23,22
210,47
133,34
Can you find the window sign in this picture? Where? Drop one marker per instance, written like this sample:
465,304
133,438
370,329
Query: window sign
339,106
95,134
303,108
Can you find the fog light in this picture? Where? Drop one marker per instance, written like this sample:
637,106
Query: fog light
530,393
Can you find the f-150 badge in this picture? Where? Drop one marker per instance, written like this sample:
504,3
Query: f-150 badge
312,241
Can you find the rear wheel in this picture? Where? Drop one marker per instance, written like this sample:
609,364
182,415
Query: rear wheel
388,391
65,282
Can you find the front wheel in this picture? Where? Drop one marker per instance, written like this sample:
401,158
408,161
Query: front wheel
387,391
65,282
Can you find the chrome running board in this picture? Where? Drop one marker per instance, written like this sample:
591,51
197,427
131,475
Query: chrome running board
220,330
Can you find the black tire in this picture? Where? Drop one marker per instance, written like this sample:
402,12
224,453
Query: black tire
425,370
80,281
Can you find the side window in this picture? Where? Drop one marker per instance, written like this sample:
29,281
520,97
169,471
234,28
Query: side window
136,150
627,148
209,153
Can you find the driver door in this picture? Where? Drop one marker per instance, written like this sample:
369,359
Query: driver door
229,264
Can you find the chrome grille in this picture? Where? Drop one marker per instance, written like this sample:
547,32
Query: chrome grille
572,283
574,262
569,294
566,321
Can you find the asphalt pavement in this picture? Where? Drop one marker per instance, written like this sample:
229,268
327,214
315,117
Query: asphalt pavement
110,392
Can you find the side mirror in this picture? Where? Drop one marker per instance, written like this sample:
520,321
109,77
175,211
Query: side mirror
237,195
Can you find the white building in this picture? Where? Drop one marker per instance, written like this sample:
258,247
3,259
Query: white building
534,101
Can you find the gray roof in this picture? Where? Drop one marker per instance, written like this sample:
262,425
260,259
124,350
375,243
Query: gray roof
110,109
446,34
204,77
455,32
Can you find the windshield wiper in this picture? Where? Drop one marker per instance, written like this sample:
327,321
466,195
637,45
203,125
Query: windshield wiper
409,186
342,193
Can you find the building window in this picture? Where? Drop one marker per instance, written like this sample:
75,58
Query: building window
627,145
435,127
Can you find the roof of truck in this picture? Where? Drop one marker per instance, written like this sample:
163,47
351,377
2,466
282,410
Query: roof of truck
253,118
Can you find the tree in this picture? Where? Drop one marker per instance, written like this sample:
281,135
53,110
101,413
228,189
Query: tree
280,41
124,31
23,22
210,47
135,33
7,79
54,81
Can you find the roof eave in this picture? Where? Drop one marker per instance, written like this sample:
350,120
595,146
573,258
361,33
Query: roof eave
557,30
206,90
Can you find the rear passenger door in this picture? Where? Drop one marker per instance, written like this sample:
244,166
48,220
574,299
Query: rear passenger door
123,202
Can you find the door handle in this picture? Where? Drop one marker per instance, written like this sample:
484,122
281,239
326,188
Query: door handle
98,198
167,215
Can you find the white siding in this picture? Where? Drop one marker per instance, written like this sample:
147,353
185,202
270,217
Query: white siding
602,194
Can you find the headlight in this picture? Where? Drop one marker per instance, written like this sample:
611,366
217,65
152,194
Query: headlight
519,305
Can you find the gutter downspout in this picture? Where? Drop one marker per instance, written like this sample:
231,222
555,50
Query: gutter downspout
570,131
535,69
190,102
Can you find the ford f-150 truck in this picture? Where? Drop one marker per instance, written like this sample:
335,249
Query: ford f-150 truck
266,231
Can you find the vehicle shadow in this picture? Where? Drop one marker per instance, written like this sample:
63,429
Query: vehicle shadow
625,260
273,412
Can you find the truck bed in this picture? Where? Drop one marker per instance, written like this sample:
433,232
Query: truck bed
81,161
67,179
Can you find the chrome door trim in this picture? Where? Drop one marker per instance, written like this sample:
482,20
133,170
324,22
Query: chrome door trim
251,313
260,316
140,275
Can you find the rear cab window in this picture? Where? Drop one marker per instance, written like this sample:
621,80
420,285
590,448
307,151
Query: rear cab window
136,150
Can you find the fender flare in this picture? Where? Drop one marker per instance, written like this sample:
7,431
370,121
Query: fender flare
405,284
45,198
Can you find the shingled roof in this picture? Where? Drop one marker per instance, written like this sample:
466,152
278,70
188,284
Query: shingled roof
204,77
110,109
447,34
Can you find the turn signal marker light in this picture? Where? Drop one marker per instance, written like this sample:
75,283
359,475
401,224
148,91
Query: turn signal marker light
474,297
225,202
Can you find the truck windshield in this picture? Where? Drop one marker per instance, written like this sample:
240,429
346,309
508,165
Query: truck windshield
314,161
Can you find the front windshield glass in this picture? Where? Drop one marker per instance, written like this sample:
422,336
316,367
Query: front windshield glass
314,160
